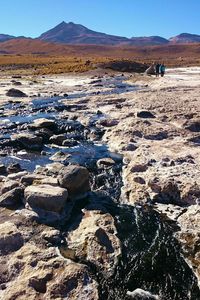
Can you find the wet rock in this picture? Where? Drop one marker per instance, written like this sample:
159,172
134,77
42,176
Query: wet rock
15,93
50,169
30,178
106,162
28,140
57,139
140,294
189,237
46,197
75,179
95,240
145,114
14,168
2,169
10,238
43,123
170,211
60,156
12,197
70,143
9,185
17,176
44,133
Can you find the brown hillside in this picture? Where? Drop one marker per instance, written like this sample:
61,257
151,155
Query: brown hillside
43,57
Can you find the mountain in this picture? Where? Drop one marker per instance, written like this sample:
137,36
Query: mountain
185,38
70,33
5,37
76,34
147,41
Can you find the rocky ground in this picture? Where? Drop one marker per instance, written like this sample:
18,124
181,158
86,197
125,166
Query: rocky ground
100,187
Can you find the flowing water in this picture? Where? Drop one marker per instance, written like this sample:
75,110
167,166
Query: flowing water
151,257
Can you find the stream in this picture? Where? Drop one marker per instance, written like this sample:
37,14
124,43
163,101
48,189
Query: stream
151,257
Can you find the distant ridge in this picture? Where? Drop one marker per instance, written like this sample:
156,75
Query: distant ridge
71,33
6,37
185,38
77,34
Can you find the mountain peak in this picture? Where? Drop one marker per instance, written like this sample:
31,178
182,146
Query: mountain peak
185,38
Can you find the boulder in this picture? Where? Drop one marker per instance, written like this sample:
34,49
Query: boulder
58,139
30,178
38,273
106,163
2,169
60,156
14,168
10,238
145,114
188,235
43,123
94,240
12,198
75,179
46,197
52,169
17,176
9,185
28,140
15,93
70,143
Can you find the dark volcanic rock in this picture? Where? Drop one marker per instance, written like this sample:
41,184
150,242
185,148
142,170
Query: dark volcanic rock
145,114
125,66
75,179
12,198
15,93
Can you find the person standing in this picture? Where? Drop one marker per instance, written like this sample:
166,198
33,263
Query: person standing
157,69
162,70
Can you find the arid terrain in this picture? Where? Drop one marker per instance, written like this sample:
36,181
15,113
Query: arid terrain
99,179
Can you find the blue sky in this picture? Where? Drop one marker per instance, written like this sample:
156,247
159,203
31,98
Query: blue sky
119,17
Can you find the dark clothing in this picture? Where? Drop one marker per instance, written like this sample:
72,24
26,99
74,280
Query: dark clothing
157,68
162,70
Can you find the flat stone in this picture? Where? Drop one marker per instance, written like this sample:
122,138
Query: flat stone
9,185
17,176
28,140
43,123
46,197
